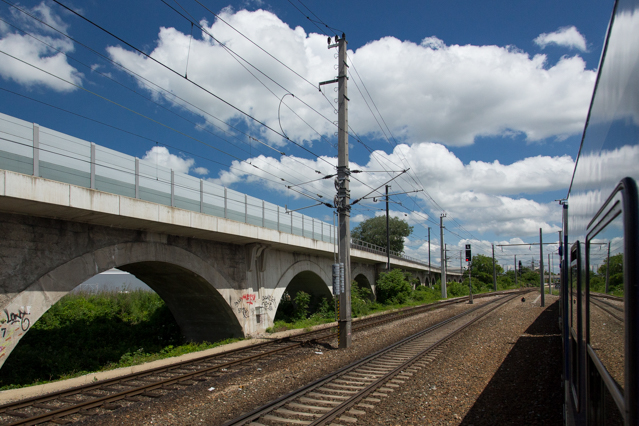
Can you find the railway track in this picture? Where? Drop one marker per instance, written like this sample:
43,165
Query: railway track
611,309
65,407
340,397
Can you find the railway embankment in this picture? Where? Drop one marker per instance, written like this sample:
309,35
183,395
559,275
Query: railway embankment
504,369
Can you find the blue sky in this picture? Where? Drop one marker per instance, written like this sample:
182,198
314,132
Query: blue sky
485,101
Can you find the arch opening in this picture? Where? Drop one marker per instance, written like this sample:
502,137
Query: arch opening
188,304
198,308
364,284
308,282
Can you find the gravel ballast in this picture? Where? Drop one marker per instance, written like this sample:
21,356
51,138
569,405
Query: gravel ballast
506,370
503,367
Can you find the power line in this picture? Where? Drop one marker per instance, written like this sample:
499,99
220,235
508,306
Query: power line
235,55
152,83
167,92
142,115
185,78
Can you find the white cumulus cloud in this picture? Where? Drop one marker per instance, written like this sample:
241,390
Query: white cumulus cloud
567,37
202,171
486,197
430,91
161,156
49,56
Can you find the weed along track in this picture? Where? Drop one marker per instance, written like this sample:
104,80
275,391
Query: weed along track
345,394
99,397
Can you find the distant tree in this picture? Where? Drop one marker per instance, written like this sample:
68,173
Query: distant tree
615,274
373,231
482,269
616,265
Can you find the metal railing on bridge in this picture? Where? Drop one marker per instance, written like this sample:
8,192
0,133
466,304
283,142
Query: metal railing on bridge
35,150
372,248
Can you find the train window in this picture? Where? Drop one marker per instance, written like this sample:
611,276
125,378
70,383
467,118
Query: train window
606,322
575,328
611,301
575,270
602,408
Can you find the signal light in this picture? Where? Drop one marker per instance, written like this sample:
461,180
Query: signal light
468,254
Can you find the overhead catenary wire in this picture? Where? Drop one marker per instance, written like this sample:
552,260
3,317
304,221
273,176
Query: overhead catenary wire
143,116
231,167
199,86
241,59
148,81
234,28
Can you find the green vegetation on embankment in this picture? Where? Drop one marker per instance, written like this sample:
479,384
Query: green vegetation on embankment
394,291
85,333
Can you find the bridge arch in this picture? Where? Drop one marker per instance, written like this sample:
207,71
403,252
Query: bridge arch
192,289
304,275
365,278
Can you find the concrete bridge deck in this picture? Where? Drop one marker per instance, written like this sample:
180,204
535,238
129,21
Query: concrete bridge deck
220,263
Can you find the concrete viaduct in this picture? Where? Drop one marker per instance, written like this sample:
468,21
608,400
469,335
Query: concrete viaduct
219,277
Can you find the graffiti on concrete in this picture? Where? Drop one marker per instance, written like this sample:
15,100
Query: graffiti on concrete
249,302
244,305
11,323
268,302
246,312
249,298
20,317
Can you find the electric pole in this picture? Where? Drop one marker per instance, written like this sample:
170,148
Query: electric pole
342,200
608,270
387,234
516,272
560,261
429,271
541,268
494,272
443,255
470,283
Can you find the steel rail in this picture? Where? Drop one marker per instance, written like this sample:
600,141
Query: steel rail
605,297
605,307
82,407
253,416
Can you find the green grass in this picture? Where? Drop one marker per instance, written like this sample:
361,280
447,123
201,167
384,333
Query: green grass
85,333
361,305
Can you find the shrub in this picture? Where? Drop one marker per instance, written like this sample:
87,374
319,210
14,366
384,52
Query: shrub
361,302
426,294
392,288
301,304
85,332
456,289
285,308
325,309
